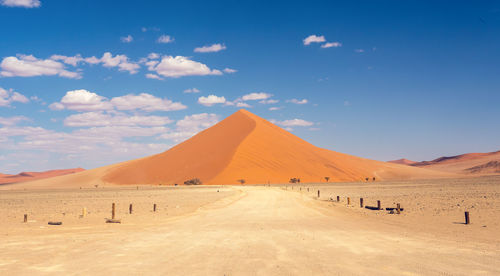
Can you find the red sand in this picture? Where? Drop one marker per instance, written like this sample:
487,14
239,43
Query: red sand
245,146
469,163
29,176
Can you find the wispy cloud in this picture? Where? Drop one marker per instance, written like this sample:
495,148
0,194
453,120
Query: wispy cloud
9,96
230,71
211,100
30,66
190,125
165,39
10,121
210,48
313,39
21,3
293,122
296,101
126,39
192,90
331,44
83,100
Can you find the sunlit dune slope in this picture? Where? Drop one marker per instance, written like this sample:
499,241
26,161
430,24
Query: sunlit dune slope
245,146
203,156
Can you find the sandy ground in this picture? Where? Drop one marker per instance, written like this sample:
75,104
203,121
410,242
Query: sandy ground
256,231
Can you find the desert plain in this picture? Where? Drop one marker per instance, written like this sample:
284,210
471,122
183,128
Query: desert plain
255,229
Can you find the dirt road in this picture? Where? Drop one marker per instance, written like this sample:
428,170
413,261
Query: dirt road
261,231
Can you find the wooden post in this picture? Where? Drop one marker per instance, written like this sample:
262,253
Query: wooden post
308,189
361,202
378,205
467,219
318,193
338,198
25,218
154,207
398,208
130,208
348,201
113,211
84,212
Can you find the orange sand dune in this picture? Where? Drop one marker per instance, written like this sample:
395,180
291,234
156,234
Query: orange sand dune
245,146
470,163
403,161
242,146
29,176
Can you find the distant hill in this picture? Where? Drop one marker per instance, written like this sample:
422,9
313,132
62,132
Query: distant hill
403,161
469,163
30,176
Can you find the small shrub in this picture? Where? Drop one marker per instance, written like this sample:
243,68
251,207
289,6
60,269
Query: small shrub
327,178
242,181
194,181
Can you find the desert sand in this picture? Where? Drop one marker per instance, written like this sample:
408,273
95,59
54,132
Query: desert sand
242,146
256,230
30,176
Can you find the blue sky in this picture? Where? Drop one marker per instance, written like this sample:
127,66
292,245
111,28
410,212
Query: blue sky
89,83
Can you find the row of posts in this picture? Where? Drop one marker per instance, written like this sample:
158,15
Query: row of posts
379,205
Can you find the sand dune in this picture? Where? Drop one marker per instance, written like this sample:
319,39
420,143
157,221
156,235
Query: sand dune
469,163
402,161
30,176
245,146
242,146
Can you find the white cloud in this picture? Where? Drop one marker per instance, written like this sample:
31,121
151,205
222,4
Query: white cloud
165,39
190,125
153,56
10,121
30,66
274,108
180,66
121,61
359,51
256,96
126,39
74,60
293,122
230,71
331,44
82,100
314,39
211,100
296,101
242,104
116,119
153,76
9,96
192,90
145,102
269,101
210,49
21,3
